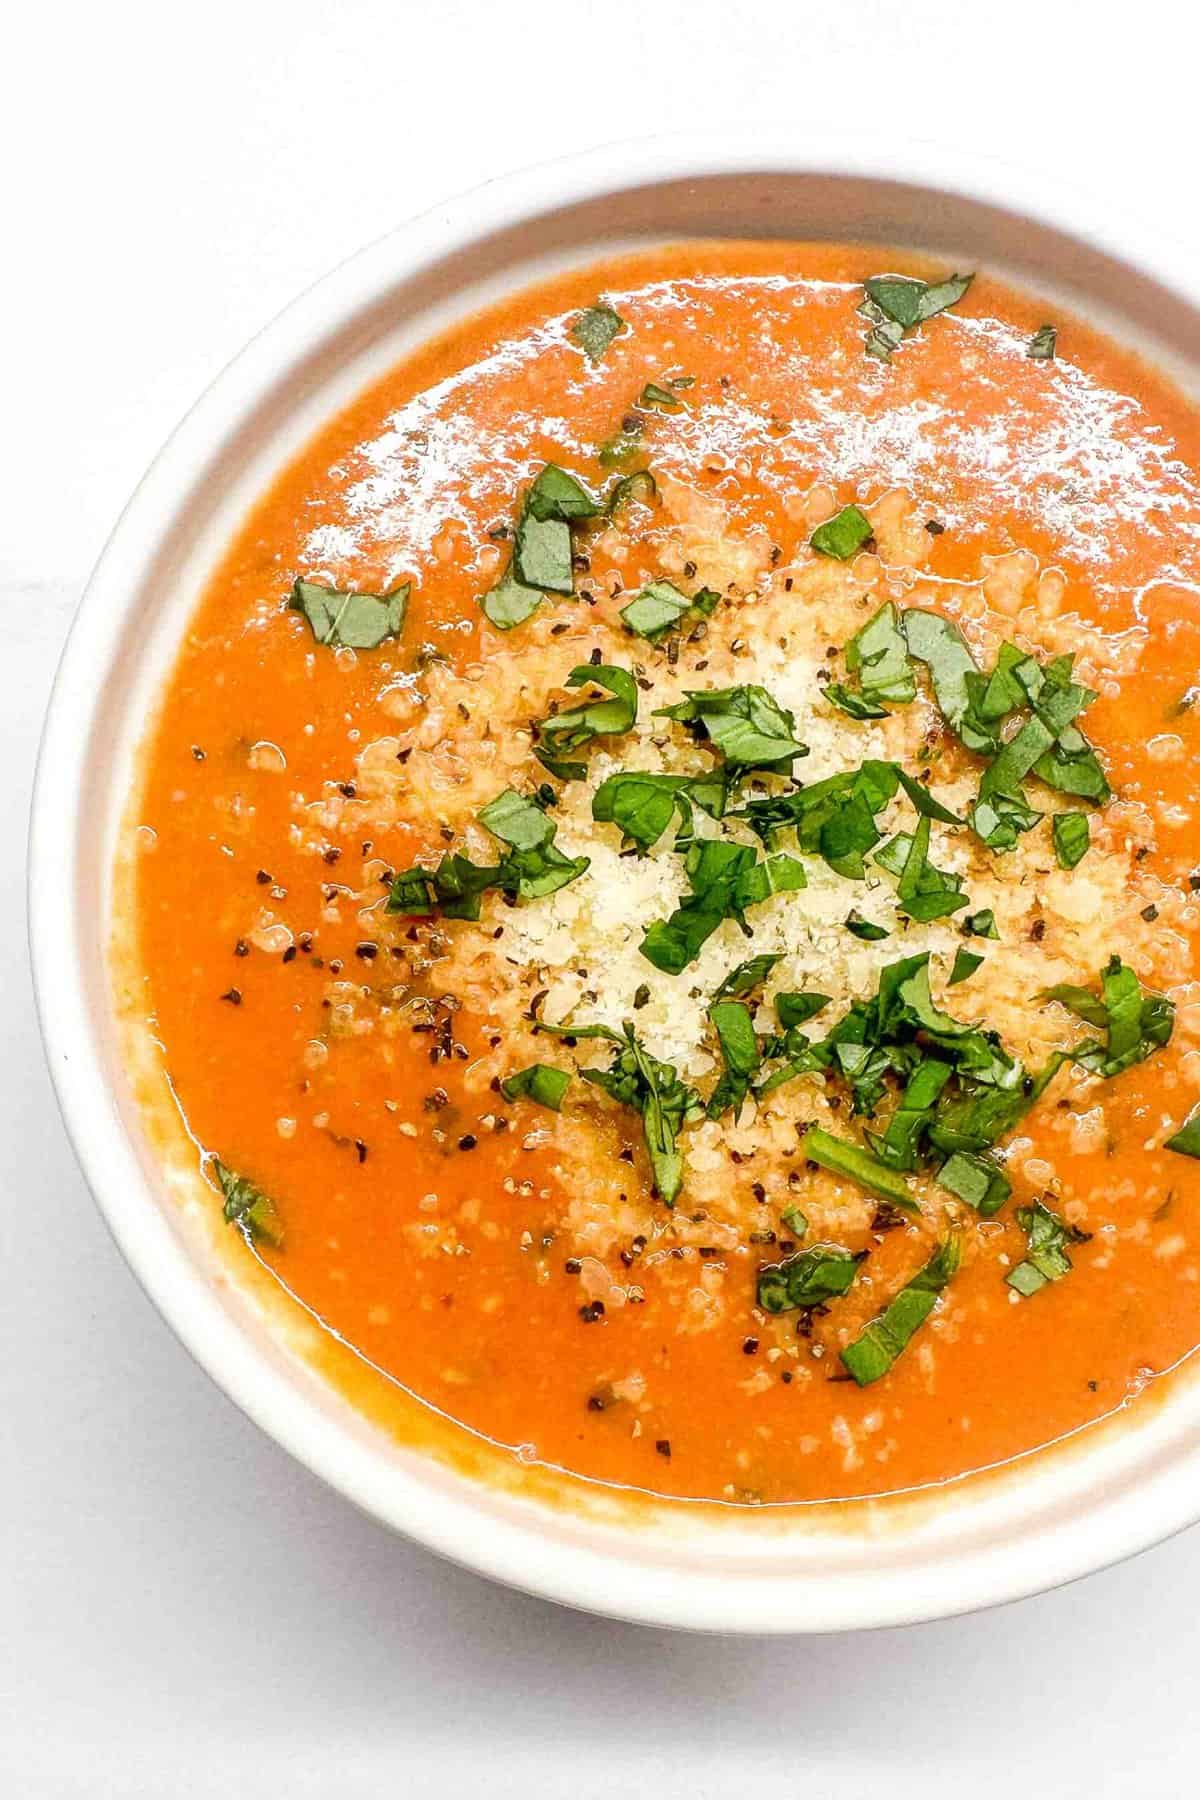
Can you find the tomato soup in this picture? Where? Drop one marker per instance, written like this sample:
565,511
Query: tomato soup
667,880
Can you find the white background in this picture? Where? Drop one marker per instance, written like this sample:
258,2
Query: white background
182,1611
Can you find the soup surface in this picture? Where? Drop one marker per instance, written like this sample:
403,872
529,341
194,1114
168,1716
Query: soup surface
666,874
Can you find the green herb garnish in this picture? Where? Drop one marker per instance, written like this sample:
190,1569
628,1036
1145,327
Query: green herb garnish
1135,1021
725,879
660,609
563,733
741,1054
1046,1259
1072,836
749,727
812,1278
541,559
864,929
857,1164
897,304
1043,344
844,535
748,975
878,654
977,1180
594,329
1187,1139
873,1353
538,1082
651,1088
923,892
531,868
248,1207
349,621
643,805
965,964
653,395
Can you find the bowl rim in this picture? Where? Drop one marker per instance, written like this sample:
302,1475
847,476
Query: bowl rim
512,1550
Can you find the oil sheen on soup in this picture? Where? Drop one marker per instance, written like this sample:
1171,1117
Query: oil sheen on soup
668,881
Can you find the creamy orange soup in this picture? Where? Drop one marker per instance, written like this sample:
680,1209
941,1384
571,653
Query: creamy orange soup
666,874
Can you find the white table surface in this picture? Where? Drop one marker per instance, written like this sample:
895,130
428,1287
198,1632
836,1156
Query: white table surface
182,1611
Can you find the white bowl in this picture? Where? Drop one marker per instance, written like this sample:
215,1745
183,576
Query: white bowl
1049,1518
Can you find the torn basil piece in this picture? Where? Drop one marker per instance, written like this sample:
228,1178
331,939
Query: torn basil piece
1046,1259
1072,836
900,1145
844,535
965,964
862,928
1186,1141
794,1221
922,891
857,706
531,868
643,805
654,1090
725,879
1136,1021
654,395
541,559
660,608
873,1353
1043,344
247,1207
878,654
812,1278
561,734
594,329
897,304
350,621
748,975
749,727
539,1082
982,924
740,1053
641,485
976,1180
841,1157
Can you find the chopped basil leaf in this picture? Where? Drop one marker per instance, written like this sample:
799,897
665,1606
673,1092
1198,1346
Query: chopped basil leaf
559,497
641,485
900,1145
654,1090
924,801
797,1009
811,1278
538,1082
864,929
1043,344
878,654
653,395
1048,1237
725,879
643,805
595,329
834,818
875,1350
851,1160
659,609
940,645
751,729
542,555
563,733
1187,1139
977,1180
794,1221
923,892
1000,819
747,976
740,1052
856,705
965,964
348,621
896,304
981,924
844,535
510,602
1072,836
531,868
1135,1021
248,1207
